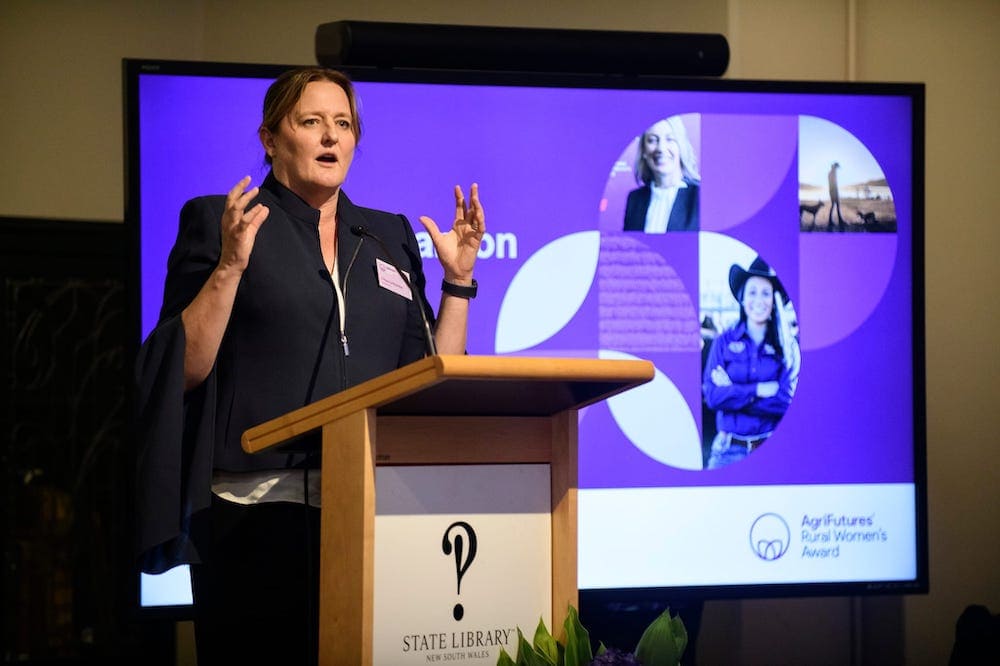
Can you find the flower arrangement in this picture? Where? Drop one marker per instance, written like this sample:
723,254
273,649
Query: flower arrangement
662,644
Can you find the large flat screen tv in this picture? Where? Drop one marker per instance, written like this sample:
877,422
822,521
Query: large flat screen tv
791,465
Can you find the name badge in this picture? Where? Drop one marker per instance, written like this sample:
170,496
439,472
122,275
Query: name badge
389,278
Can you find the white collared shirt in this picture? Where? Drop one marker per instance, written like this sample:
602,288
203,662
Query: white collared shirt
661,202
277,485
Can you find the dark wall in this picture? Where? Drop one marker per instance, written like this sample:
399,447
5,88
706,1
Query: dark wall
66,457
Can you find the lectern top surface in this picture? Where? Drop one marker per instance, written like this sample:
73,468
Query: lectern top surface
465,386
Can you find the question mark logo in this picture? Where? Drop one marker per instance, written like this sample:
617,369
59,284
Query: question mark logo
461,566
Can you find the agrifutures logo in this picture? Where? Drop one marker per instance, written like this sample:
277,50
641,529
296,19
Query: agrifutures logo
770,537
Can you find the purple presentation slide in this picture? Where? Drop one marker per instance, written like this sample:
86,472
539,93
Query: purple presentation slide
560,276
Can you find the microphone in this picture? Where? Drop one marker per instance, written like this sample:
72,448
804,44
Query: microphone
362,232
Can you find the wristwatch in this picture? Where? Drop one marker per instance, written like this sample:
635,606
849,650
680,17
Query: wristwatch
458,290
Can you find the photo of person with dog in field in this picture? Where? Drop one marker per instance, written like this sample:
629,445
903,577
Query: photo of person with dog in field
842,188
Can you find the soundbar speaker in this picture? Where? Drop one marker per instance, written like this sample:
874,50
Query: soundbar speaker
495,49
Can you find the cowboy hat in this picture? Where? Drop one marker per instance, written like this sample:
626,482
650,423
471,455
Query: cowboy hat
738,277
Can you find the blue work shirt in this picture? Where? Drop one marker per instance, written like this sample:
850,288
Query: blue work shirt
738,409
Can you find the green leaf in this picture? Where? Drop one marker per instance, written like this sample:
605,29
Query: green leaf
680,635
503,659
663,642
545,644
601,649
526,654
578,652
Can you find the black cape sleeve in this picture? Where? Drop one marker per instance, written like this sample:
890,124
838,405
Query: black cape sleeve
176,429
176,435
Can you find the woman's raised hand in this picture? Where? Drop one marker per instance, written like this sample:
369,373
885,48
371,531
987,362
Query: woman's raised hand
458,248
240,226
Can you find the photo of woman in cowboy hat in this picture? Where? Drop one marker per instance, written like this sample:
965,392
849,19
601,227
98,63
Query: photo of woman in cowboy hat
750,373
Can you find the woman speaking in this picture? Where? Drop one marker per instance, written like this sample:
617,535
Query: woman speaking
276,296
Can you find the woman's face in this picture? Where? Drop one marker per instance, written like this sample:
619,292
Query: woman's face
758,299
313,148
661,152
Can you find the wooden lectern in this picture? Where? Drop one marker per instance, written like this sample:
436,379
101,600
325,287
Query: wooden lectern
440,410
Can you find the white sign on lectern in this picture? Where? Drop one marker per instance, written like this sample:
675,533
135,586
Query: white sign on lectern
463,557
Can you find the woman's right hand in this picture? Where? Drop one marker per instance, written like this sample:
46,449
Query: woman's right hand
240,226
767,389
205,319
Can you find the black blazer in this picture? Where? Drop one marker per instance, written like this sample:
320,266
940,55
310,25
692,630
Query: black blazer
282,350
683,215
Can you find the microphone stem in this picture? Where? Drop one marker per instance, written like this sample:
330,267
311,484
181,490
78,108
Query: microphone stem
417,297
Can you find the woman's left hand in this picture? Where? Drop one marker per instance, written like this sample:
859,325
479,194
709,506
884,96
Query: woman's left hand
720,377
458,248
